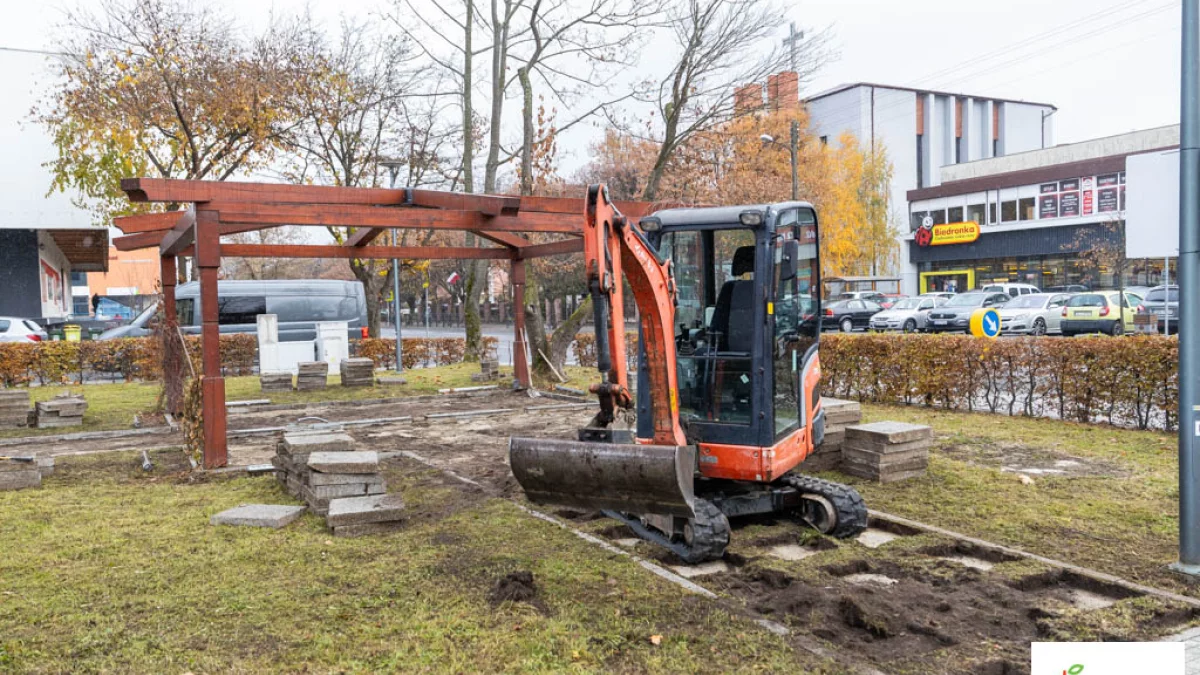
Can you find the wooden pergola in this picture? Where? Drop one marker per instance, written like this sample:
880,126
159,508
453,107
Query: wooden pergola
213,209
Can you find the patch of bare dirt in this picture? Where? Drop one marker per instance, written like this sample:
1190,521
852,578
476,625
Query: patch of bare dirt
517,586
1018,458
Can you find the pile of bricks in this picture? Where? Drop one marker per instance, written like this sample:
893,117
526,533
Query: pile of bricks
275,381
325,471
312,375
358,372
488,371
14,408
17,474
886,451
64,410
839,414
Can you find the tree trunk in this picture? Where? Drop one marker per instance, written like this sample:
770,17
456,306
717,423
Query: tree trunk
526,132
499,77
467,109
372,284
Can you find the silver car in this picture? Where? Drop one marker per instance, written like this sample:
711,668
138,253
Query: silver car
13,329
1036,314
1163,301
908,314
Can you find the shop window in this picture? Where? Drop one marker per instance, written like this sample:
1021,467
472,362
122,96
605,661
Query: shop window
939,217
1008,211
917,218
992,220
920,161
955,215
1026,207
975,213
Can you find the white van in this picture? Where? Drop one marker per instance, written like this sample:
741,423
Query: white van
299,304
1013,290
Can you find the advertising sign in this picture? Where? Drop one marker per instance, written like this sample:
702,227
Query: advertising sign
1108,200
1107,180
1048,206
1088,203
1049,188
1068,185
949,233
1068,204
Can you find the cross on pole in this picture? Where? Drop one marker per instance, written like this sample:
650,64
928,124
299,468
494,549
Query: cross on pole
792,42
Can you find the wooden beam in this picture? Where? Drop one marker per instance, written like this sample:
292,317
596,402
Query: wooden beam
504,239
492,205
575,206
184,233
552,248
363,236
175,190
148,222
363,252
133,242
327,215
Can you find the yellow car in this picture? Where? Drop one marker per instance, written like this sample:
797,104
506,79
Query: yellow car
1099,312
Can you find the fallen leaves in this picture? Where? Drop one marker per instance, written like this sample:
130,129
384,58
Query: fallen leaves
656,640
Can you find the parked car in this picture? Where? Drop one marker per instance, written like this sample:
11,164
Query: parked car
1013,290
13,329
908,314
872,296
955,315
298,304
847,315
890,299
1069,288
1036,314
1099,312
1139,291
1163,301
938,294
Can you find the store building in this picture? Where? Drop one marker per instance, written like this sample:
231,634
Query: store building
927,132
36,267
1028,217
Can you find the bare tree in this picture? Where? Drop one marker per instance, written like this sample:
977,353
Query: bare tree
722,45
1104,248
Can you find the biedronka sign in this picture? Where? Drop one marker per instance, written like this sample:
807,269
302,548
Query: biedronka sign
950,233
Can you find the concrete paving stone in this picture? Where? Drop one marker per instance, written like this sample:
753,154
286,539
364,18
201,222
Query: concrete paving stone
337,491
693,571
372,509
968,561
45,466
17,465
628,542
321,442
359,461
867,578
889,432
391,379
316,479
874,538
18,480
885,448
904,462
792,552
368,528
258,515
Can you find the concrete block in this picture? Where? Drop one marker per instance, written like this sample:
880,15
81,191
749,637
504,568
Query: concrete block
885,448
391,379
889,432
337,491
359,510
365,461
836,437
853,462
316,479
7,465
368,528
326,442
851,453
258,515
45,466
17,480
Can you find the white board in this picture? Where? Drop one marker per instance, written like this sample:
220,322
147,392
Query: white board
1152,205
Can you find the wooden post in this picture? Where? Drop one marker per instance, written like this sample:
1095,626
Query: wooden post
167,272
208,260
520,361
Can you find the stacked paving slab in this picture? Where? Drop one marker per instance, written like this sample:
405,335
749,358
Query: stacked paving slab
839,414
14,408
886,451
488,371
338,482
312,375
275,381
64,410
358,372
20,474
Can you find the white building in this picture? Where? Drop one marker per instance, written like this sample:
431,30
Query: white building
924,131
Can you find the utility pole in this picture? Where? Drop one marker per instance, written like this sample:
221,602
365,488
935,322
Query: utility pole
393,168
792,42
1189,312
794,147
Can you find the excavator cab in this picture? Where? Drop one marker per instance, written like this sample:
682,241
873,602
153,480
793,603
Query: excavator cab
728,397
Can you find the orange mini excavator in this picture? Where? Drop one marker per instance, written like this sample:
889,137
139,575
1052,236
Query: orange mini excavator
728,399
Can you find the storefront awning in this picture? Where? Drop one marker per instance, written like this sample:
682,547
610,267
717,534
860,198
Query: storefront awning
85,249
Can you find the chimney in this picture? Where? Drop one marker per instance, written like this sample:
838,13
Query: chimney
773,93
787,90
747,98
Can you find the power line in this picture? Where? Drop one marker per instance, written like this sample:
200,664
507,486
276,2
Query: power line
43,52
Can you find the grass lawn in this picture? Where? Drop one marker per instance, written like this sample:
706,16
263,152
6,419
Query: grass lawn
112,406
108,570
1121,520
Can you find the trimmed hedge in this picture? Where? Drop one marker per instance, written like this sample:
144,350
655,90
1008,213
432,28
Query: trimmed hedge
1128,381
139,359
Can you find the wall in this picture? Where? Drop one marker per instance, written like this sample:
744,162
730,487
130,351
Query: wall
19,274
129,273
54,272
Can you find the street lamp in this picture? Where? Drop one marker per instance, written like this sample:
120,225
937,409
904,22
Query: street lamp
793,149
393,169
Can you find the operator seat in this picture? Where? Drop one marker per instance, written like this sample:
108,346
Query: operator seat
733,318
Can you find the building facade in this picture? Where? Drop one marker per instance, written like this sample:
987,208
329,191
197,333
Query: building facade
36,267
926,132
1039,217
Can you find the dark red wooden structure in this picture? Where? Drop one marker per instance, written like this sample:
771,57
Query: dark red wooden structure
211,209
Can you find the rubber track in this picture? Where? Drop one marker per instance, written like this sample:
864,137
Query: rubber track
851,511
710,533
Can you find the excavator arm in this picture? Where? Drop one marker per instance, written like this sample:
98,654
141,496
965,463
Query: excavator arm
616,249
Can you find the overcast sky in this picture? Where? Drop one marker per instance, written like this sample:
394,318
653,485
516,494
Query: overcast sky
1110,66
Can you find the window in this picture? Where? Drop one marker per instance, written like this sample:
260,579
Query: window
975,213
1008,211
824,140
959,151
4,325
915,221
185,311
292,308
992,220
939,217
920,161
241,309
1027,207
955,215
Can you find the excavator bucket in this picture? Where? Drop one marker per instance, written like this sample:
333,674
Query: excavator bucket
644,479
